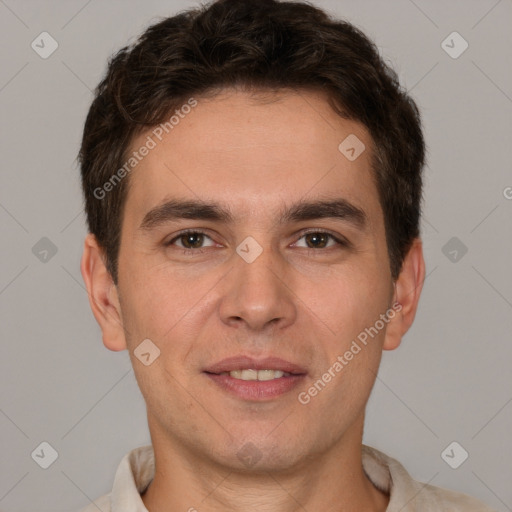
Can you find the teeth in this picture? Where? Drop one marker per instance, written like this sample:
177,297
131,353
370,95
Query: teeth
257,374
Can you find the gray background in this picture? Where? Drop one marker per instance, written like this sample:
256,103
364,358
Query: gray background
449,381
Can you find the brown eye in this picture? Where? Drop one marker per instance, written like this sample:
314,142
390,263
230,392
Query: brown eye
320,240
317,240
190,240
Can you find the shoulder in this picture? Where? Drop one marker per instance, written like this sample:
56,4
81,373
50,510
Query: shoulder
409,495
133,475
449,500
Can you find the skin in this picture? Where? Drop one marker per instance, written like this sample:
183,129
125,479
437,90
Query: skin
302,299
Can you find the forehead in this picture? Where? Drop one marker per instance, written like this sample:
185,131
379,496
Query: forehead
253,152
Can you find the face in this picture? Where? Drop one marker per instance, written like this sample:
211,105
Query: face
251,241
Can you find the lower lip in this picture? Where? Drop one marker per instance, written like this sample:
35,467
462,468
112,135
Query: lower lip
257,390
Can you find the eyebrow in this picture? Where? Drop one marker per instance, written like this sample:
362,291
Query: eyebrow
175,209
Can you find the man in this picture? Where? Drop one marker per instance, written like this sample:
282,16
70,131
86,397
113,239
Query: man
252,180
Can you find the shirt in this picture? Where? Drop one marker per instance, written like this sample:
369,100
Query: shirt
137,469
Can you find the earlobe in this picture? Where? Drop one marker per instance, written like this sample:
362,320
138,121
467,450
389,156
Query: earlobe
407,293
103,297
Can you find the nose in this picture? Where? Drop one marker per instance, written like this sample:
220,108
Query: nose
259,294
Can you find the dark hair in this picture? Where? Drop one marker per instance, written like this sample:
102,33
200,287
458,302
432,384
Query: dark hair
256,45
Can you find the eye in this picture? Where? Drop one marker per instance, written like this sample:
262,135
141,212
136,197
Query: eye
194,241
190,240
320,240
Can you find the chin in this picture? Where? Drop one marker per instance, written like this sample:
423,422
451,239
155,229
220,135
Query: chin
257,454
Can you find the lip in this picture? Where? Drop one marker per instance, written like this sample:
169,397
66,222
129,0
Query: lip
255,390
245,362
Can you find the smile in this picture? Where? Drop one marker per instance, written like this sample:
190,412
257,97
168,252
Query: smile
251,374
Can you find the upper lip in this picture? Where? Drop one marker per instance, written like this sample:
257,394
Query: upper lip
245,362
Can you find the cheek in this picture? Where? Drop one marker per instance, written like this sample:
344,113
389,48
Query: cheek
352,309
166,307
350,301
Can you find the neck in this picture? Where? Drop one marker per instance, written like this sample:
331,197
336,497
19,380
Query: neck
330,481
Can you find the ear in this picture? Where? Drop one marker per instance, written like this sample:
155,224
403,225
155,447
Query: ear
103,296
406,296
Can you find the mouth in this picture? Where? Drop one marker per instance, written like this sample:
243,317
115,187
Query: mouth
256,380
252,374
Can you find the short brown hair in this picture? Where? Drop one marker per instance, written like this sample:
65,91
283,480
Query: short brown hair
256,45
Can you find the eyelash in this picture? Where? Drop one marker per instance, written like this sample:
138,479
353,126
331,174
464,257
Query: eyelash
339,240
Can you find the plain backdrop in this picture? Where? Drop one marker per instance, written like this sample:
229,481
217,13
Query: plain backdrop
451,379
